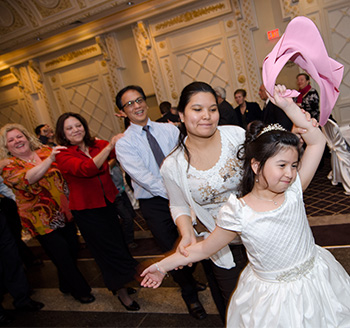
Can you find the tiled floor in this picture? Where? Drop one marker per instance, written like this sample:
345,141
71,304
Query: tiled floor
329,215
322,198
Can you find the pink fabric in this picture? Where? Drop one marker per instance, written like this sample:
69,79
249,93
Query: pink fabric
302,44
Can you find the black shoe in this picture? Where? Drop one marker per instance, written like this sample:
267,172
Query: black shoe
132,307
132,245
5,319
200,287
196,310
85,299
64,291
31,306
34,263
129,290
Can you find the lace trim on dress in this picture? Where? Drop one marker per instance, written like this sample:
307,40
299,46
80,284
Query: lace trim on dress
211,186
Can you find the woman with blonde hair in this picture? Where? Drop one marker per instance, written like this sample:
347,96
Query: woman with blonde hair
29,169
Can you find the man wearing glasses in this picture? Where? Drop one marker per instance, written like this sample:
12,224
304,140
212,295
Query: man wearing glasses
141,152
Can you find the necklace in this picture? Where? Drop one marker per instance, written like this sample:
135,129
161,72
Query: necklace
266,200
31,160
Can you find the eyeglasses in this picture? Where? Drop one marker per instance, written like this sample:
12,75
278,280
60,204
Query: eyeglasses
131,103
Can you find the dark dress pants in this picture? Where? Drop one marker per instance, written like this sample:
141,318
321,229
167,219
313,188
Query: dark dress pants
9,209
157,215
12,276
127,214
103,235
223,282
61,245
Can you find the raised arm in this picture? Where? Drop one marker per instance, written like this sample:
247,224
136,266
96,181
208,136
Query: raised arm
313,136
100,158
155,273
37,172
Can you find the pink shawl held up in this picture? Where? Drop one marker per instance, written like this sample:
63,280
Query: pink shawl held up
302,44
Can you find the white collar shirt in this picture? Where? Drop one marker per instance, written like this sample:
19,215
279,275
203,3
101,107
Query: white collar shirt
136,157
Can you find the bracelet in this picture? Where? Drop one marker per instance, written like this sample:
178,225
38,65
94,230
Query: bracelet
163,273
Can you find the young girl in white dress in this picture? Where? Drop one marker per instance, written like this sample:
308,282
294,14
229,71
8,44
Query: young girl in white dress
289,281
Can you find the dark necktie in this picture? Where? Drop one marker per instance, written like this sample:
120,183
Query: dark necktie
157,151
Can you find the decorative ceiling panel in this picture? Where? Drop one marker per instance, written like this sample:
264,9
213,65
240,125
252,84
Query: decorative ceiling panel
25,22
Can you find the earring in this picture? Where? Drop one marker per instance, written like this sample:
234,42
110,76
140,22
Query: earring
256,180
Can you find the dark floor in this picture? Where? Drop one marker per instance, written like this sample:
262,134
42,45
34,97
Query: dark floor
163,307
321,198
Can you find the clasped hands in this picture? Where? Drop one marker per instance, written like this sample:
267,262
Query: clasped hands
155,273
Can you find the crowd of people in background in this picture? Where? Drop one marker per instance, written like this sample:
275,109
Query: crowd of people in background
56,181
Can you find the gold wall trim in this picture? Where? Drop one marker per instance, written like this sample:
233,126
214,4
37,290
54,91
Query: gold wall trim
7,80
190,17
71,58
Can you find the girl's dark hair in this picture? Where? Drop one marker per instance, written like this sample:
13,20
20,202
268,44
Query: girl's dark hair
185,97
261,148
61,136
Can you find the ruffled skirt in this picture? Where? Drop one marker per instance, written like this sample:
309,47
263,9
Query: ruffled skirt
314,294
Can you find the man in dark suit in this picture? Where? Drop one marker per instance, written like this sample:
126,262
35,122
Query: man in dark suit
226,111
273,114
167,115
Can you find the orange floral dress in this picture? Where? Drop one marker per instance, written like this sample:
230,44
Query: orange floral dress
43,205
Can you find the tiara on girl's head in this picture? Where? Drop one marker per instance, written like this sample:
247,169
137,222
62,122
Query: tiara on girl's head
272,127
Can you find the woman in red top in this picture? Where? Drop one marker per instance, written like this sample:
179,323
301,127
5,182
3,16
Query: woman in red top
84,165
40,189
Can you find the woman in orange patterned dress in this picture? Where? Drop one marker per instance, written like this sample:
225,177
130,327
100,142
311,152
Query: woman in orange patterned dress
29,169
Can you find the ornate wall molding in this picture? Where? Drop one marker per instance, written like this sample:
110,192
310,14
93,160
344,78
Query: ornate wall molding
149,54
245,27
28,90
170,81
114,65
238,62
39,88
191,17
71,58
289,9
8,79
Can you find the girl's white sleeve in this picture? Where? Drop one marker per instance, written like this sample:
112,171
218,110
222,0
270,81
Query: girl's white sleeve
230,215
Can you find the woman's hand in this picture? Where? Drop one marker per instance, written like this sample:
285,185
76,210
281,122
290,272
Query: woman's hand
4,163
56,150
153,276
185,242
115,139
120,114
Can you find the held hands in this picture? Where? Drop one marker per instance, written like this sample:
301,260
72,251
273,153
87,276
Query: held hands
184,243
153,276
